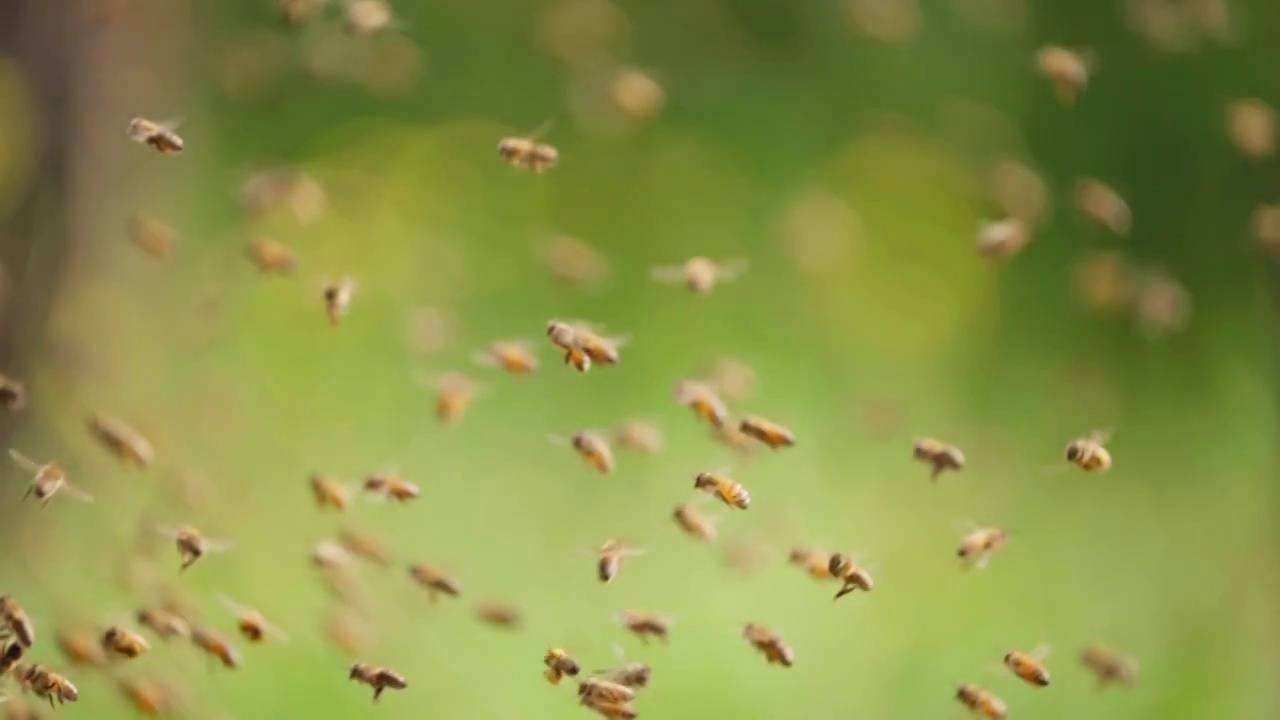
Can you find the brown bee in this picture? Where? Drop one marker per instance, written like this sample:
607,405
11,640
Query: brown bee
377,678
347,630
193,545
1067,69
389,484
529,154
500,615
49,480
337,298
591,446
1029,666
609,558
122,642
365,546
79,648
575,262
610,710
1102,205
513,356
165,623
559,664
251,624
18,710
15,623
639,436
701,275
148,697
153,236
729,491
704,401
938,455
455,392
1109,666
47,684
851,572
694,523
814,562
584,345
330,555
1002,239
159,135
1090,453
329,492
979,545
645,624
982,702
775,650
10,657
435,581
123,441
599,690
13,394
365,17
632,674
767,432
216,646
272,256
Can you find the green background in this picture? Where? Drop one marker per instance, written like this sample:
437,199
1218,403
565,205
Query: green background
237,377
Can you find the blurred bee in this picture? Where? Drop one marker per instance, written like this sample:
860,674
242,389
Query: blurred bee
775,650
704,401
148,697
378,678
365,17
216,646
732,378
645,625
251,624
365,546
529,154
502,616
123,441
337,297
575,262
348,631
434,581
272,256
18,710
978,546
1067,69
610,710
193,545
1029,666
632,674
15,623
296,12
700,274
938,455
584,345
767,432
329,492
639,436
729,491
78,648
1002,239
732,437
1090,453
851,573
165,623
609,558
122,642
13,394
981,702
814,562
591,446
745,555
49,479
330,555
1101,204
593,690
513,356
694,523
10,657
455,392
389,484
1251,127
153,236
47,684
159,135
1109,666
559,664
637,95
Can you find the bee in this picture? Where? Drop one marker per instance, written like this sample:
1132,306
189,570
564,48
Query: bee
938,455
10,656
1101,204
577,359
329,492
599,690
978,546
529,154
122,642
982,702
389,484
378,678
632,674
559,664
435,581
1251,126
123,441
148,697
814,562
272,256
591,446
732,378
500,615
165,623
701,275
767,432
1109,666
645,624
729,491
364,545
159,135
13,394
639,436
584,345
365,17
79,648
296,12
513,356
694,523
1002,239
609,558
193,545
153,236
1090,453
251,624
611,710
337,298
348,631
575,262
732,437
455,392
851,573
1029,666
330,555
1067,69
637,95
49,479
775,650
217,647
20,711
15,623
48,684
704,401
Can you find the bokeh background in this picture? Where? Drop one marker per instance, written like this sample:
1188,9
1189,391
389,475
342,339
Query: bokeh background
848,150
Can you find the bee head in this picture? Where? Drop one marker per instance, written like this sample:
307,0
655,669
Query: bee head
356,671
962,552
1074,451
1008,658
702,480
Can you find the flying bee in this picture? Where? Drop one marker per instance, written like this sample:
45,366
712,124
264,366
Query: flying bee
732,437
251,623
938,455
1102,205
216,646
435,581
365,546
193,545
813,561
639,436
982,702
148,697
577,359
272,256
599,690
348,631
591,446
646,625
704,401
49,480
378,678
529,154
729,491
1029,666
79,648
15,623
701,275
767,432
513,356
609,558
694,523
153,236
499,615
48,684
575,262
18,710
979,545
584,344
632,674
13,394
366,17
10,656
559,664
851,572
123,642
1003,238
337,297
610,710
1109,666
330,555
775,650
732,378
163,622
1090,453
123,441
329,492
159,135
455,392
382,485
1067,69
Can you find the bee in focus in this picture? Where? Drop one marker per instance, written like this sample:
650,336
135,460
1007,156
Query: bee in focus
272,257
529,154
1102,205
982,702
383,485
378,678
435,581
15,623
851,573
193,545
348,631
701,275
770,433
165,623
813,561
632,674
329,492
584,345
79,648
513,356
1090,453
123,642
639,436
10,656
216,647
123,441
978,546
775,650
609,558
938,455
591,446
1067,69
49,480
337,297
646,625
1002,239
47,684
148,697
1109,666
729,491
153,236
704,401
455,392
13,394
159,135
559,664
251,623
597,690
366,17
1029,666
365,546
695,523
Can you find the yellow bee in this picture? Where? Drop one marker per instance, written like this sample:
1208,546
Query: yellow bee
500,615
610,710
529,154
366,546
337,298
701,275
646,625
148,697
49,480
1090,453
584,345
15,623
13,394
1067,69
47,684
79,648
599,690
775,650
591,446
120,641
272,256
216,646
153,236
382,485
982,702
609,558
1029,666
1002,239
1102,205
639,436
163,622
851,572
330,555
767,432
559,664
455,392
979,545
123,441
813,561
435,581
729,491
378,678
938,455
251,623
193,545
513,356
10,657
159,135
1109,666
329,492
694,523
704,401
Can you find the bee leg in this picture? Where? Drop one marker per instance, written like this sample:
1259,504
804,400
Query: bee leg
30,489
937,470
377,692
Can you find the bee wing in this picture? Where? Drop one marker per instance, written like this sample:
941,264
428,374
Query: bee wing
275,632
1041,653
732,268
232,606
1055,469
559,440
171,124
75,493
24,461
619,340
668,274
631,552
217,545
1100,437
541,130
